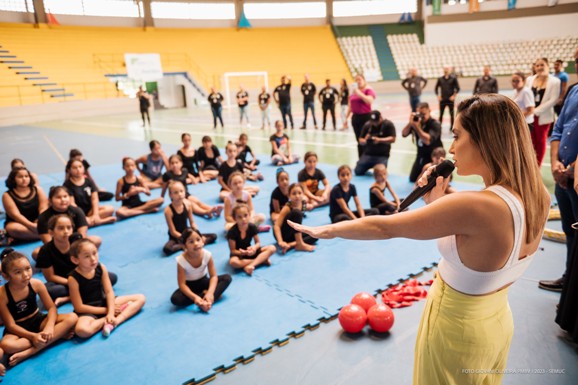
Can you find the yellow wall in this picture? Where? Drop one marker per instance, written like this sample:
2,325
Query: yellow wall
78,57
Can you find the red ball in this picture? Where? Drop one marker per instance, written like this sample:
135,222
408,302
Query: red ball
380,318
352,318
365,300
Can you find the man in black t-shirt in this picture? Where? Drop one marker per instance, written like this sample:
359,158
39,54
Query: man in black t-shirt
264,100
446,89
414,84
282,95
215,99
376,137
308,90
328,97
427,135
243,103
486,84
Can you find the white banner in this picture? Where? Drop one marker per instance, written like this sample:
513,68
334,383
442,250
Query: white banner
143,66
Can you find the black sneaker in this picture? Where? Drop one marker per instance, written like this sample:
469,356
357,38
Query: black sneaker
303,127
555,285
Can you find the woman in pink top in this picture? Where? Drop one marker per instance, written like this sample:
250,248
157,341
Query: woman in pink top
360,107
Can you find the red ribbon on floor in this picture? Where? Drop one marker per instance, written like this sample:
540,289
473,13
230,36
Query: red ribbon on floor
405,294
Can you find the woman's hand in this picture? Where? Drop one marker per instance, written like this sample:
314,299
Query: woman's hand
440,188
322,232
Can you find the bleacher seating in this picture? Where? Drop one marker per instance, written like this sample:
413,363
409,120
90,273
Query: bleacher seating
359,52
505,57
77,58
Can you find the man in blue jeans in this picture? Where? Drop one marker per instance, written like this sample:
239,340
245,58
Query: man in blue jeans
414,84
563,152
308,90
282,96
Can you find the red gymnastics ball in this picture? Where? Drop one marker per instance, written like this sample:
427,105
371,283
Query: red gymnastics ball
352,318
365,300
380,318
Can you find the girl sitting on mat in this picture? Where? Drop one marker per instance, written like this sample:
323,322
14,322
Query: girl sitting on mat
84,194
281,147
209,158
177,172
339,199
54,258
244,255
244,150
92,295
128,189
197,277
377,197
310,178
19,163
23,202
77,155
286,236
151,165
59,200
27,329
179,216
188,155
280,195
237,195
230,166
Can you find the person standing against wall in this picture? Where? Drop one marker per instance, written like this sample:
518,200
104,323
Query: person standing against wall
486,84
328,97
215,100
414,84
282,96
144,101
243,103
308,90
264,101
447,88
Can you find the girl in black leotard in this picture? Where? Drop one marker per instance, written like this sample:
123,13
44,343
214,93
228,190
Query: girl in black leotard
23,202
28,330
179,216
128,189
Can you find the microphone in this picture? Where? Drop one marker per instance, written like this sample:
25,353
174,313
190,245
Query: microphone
444,169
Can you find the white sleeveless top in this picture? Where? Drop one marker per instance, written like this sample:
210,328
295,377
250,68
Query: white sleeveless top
195,273
468,281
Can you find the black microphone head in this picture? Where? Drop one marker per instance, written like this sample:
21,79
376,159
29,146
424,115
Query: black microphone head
445,168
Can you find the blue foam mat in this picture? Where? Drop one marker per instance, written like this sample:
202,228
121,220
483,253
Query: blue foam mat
178,345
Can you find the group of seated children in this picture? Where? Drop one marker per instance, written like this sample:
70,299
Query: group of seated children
69,257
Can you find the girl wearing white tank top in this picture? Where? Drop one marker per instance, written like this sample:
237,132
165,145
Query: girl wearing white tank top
467,323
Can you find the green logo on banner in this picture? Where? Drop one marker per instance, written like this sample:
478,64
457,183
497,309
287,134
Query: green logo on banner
437,7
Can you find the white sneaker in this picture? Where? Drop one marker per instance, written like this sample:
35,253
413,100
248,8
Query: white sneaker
248,125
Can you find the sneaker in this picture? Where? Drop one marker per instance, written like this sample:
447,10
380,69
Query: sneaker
260,176
316,127
107,329
263,228
555,285
303,127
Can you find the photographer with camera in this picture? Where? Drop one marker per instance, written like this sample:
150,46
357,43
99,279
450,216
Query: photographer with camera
427,135
376,138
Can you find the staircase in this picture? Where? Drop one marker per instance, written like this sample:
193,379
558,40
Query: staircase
384,55
33,78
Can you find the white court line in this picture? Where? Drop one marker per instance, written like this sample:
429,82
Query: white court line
235,136
58,154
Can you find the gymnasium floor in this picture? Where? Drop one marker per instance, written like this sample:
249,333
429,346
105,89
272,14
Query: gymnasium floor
275,327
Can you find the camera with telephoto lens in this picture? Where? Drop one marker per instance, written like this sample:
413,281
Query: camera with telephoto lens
417,117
